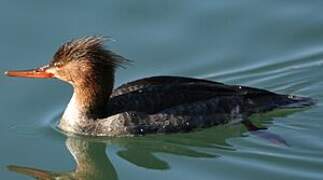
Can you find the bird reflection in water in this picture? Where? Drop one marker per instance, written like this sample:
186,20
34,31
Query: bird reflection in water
92,161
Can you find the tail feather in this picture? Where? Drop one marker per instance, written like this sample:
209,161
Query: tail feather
298,102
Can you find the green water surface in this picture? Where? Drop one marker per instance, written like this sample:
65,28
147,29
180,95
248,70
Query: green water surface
272,44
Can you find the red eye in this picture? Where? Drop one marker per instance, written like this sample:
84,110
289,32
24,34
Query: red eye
58,65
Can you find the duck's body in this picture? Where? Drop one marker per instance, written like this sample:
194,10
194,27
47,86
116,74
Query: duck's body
150,105
165,104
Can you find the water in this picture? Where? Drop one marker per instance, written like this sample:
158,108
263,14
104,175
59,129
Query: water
277,45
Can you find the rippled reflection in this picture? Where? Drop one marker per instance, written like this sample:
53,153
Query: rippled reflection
92,161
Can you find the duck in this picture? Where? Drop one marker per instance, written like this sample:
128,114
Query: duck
156,104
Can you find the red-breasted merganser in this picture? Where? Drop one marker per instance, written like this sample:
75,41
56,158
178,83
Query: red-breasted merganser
158,104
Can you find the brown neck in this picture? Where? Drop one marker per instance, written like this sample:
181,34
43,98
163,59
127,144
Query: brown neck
93,93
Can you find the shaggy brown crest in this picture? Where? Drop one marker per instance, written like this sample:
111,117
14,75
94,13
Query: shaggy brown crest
89,47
